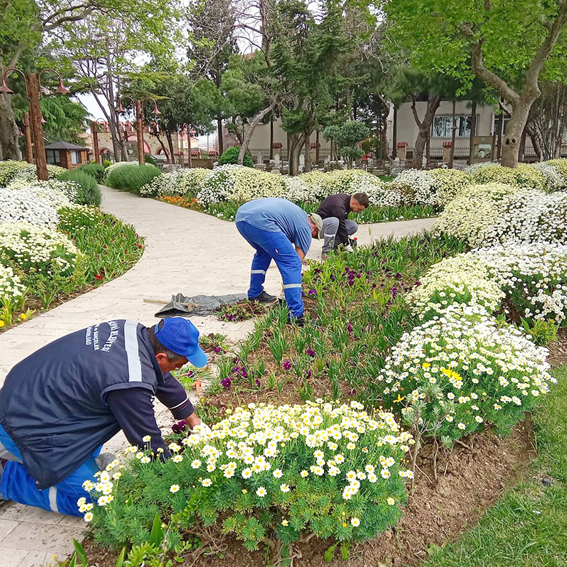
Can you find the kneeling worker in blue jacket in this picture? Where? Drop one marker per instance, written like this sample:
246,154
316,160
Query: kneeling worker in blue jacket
62,403
279,230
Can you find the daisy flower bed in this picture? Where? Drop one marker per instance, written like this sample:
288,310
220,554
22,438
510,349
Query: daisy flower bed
52,248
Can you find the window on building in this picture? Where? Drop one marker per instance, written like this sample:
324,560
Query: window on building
443,126
53,157
75,156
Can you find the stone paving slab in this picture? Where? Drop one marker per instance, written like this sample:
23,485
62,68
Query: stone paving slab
187,252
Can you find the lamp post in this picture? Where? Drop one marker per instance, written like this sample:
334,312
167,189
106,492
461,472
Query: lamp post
33,94
139,115
28,135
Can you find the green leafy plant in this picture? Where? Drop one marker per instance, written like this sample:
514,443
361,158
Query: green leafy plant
131,177
96,170
230,156
89,191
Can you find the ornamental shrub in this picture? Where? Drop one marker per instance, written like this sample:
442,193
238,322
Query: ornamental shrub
525,175
553,179
461,370
12,170
239,184
448,183
11,287
182,183
561,166
264,471
37,251
230,156
25,205
473,213
88,190
130,178
97,170
460,279
532,276
530,216
415,187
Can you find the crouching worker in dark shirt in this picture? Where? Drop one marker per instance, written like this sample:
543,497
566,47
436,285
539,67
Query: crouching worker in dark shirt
62,403
336,226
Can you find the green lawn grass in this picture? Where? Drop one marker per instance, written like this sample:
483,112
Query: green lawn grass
528,526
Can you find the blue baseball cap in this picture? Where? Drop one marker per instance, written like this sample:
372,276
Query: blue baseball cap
182,337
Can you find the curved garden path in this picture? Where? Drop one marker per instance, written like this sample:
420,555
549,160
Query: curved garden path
187,252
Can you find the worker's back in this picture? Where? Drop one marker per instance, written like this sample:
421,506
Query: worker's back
274,215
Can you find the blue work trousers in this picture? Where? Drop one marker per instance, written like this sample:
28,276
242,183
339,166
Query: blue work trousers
268,246
18,485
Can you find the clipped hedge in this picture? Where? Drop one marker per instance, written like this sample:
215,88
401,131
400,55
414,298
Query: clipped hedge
88,192
131,178
96,170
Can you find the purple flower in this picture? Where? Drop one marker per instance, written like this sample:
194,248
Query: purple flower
312,292
352,392
226,382
349,328
257,382
308,374
310,352
287,365
179,427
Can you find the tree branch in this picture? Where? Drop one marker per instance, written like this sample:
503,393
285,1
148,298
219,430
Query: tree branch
414,110
482,72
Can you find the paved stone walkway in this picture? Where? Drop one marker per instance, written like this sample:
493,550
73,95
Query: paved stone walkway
185,252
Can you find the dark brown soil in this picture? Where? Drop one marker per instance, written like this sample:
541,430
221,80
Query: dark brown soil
558,349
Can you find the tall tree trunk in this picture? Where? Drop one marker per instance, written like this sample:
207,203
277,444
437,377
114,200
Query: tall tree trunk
271,137
535,143
514,131
473,131
424,129
500,136
9,134
308,163
296,144
395,133
169,139
220,136
248,135
160,141
453,136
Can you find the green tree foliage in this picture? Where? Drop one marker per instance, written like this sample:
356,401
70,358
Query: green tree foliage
507,44
64,119
230,155
348,137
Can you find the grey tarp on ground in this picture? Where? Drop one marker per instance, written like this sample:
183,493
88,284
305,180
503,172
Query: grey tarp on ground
204,305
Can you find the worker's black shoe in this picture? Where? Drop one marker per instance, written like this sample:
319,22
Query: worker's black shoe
264,298
353,242
298,321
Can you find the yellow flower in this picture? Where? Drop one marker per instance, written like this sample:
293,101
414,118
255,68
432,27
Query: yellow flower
355,522
344,525
285,523
174,488
88,516
23,316
391,501
1,323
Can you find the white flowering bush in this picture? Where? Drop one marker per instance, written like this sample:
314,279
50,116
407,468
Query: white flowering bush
524,176
55,192
473,213
37,250
461,370
553,179
24,205
448,183
239,184
10,284
12,170
528,216
461,279
561,166
183,182
264,471
532,276
416,187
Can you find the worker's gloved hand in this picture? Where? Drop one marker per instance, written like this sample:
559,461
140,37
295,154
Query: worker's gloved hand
201,430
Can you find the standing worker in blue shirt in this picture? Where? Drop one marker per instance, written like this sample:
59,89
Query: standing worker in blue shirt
59,406
279,230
